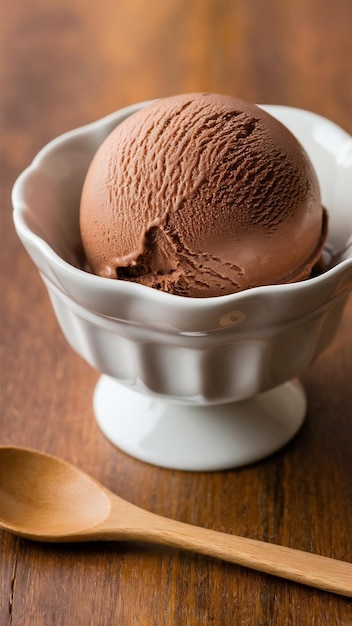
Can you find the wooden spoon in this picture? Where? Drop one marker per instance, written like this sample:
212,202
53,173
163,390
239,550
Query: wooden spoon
46,499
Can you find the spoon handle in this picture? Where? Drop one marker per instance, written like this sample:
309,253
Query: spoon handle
303,567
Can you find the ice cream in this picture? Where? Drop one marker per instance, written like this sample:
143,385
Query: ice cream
202,195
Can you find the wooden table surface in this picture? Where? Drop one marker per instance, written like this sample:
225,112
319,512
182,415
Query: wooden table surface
66,63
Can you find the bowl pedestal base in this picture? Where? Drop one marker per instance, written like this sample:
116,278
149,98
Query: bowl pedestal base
194,437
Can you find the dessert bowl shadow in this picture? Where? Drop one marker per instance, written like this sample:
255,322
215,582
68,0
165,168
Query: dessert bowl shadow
191,350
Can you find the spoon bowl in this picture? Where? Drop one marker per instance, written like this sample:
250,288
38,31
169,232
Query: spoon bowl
46,499
43,497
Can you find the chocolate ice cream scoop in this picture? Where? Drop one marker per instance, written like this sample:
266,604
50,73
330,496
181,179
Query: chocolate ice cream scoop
202,195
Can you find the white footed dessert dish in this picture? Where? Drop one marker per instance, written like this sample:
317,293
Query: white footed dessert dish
189,383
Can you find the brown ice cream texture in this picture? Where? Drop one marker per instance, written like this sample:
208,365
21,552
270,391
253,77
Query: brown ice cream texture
202,195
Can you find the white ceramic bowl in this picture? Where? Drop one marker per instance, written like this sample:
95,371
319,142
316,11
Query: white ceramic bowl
215,373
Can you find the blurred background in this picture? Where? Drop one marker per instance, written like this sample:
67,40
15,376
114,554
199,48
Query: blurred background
105,55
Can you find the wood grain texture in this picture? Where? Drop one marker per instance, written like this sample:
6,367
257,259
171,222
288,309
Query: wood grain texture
46,499
68,63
